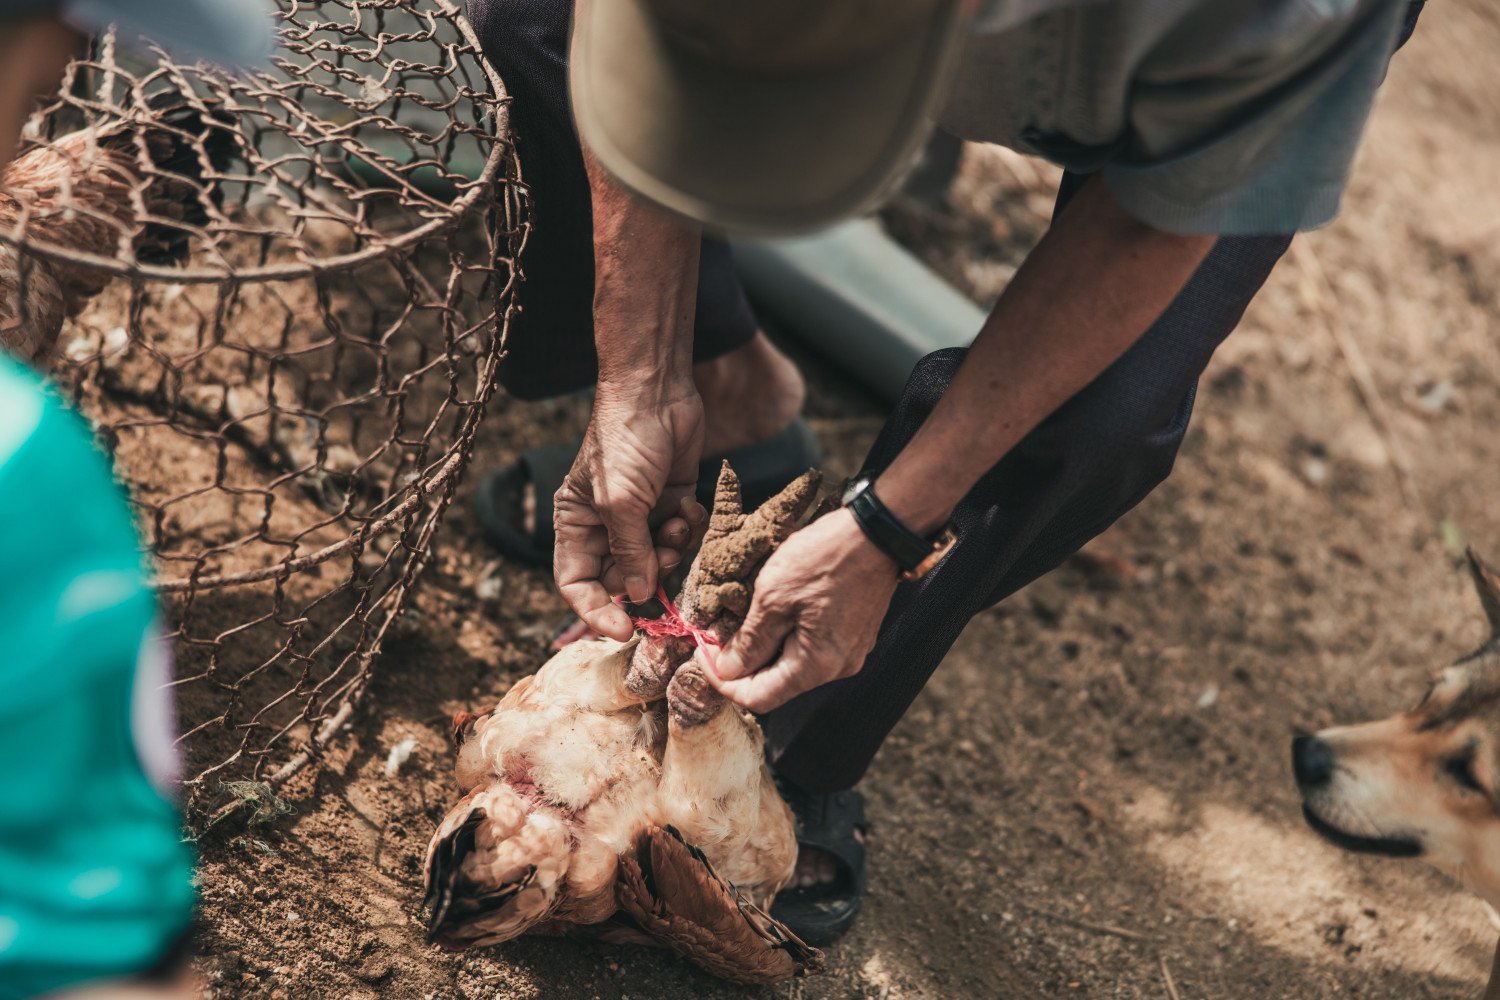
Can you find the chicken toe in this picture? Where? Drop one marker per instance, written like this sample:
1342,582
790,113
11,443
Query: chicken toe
691,699
653,664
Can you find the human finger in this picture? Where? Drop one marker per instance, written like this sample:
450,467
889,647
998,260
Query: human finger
756,642
578,576
613,576
630,545
774,686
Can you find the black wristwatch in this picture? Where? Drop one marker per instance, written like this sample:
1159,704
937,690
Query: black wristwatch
914,554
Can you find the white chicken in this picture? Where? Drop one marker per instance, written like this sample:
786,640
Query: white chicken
615,793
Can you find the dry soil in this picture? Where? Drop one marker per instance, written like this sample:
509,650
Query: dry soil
1092,798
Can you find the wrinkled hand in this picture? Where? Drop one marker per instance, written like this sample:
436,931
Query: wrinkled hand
626,513
820,597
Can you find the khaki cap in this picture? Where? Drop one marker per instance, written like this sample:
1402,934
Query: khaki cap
761,116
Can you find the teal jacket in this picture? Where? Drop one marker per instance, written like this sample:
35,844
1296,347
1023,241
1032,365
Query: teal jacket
95,879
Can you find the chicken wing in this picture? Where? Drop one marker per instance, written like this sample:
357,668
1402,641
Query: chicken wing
615,793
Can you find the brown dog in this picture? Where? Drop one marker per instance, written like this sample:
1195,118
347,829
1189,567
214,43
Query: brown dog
1425,783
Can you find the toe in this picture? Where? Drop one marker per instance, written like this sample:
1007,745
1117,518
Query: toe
654,663
691,700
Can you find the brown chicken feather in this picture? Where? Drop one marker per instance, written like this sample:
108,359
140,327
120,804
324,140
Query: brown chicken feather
671,891
615,793
136,187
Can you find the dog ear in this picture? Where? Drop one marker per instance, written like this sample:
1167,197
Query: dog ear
1487,583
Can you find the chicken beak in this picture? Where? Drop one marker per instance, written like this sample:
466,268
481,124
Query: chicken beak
463,726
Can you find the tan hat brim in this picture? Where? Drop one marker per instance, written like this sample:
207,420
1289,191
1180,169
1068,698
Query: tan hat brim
746,149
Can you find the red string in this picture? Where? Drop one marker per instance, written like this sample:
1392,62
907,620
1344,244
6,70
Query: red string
672,624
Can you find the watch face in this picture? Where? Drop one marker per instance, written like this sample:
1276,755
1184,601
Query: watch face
854,489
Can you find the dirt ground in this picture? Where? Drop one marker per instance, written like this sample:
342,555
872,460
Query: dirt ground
1093,797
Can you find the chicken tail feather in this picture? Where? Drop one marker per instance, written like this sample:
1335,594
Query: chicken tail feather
444,869
456,900
493,870
670,891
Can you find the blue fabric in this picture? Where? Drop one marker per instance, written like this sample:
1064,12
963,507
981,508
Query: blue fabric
232,33
1277,158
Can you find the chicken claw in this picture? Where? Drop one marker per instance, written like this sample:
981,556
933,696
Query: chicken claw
737,544
654,663
716,595
691,700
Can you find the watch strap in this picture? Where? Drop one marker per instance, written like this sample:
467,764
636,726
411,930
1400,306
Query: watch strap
888,534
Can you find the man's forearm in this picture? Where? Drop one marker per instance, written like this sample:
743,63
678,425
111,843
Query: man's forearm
1091,288
645,288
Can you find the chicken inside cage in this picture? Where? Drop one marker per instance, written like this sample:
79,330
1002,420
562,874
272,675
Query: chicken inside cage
279,298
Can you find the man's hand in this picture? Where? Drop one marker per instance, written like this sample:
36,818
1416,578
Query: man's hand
635,473
820,599
825,591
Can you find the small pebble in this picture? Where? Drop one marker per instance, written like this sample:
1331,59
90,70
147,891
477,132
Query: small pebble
1436,398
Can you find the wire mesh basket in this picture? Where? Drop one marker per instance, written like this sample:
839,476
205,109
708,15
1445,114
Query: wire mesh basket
281,299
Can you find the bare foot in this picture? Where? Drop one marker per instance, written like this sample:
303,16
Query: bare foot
815,867
749,394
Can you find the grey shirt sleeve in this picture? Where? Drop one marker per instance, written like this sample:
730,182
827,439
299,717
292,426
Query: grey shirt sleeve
1261,139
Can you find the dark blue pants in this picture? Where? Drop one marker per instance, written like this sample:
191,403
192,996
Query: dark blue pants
551,343
1088,463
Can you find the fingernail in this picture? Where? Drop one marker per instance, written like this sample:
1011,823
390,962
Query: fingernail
725,665
638,589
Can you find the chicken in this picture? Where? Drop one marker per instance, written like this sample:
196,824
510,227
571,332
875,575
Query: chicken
136,186
614,793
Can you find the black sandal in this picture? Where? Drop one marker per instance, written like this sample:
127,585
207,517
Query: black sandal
500,502
500,499
821,914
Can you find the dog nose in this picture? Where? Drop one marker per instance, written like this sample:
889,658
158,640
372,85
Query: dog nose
1312,761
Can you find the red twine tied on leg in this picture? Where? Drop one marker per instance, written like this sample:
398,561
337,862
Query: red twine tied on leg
672,624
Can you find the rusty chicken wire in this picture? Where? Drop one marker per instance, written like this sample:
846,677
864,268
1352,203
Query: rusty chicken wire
281,299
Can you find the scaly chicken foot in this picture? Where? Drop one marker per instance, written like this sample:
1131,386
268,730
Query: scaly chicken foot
691,700
716,595
654,663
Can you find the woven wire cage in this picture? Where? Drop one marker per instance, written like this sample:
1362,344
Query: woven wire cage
280,298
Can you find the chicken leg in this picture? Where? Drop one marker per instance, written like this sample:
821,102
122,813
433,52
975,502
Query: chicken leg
715,787
599,789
